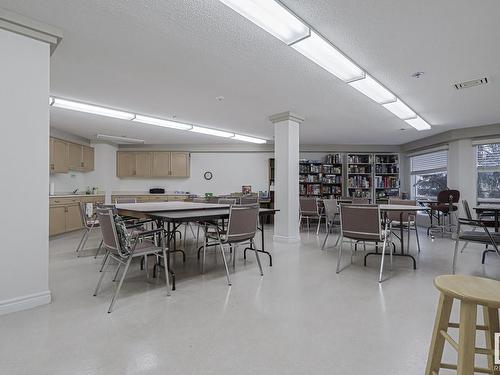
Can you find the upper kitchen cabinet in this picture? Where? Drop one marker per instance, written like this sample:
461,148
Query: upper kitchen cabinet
152,164
66,156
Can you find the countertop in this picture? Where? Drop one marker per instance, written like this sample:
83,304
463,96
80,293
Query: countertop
69,195
146,193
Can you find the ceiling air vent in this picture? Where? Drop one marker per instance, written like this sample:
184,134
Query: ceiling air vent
474,82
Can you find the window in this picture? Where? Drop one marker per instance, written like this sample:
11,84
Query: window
488,171
429,174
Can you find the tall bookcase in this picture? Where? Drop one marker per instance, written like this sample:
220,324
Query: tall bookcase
332,181
387,181
310,175
360,175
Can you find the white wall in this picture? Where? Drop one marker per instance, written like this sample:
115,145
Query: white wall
462,174
24,77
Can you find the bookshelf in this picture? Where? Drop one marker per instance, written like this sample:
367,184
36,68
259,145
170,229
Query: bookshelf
271,181
332,180
386,178
310,175
360,175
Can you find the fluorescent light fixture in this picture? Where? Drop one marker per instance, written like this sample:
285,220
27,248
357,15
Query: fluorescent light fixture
118,139
217,133
245,138
328,57
374,90
400,109
272,17
418,123
93,109
163,123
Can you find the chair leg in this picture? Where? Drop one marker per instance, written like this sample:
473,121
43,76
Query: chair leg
81,240
119,285
467,338
232,250
337,242
101,277
319,224
326,237
455,254
204,253
98,250
491,321
437,342
224,260
198,235
117,271
382,259
416,235
340,254
408,239
146,266
104,260
257,256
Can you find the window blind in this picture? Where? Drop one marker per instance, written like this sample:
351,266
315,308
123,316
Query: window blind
488,155
430,162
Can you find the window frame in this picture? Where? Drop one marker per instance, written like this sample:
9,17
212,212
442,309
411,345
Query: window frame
488,169
415,173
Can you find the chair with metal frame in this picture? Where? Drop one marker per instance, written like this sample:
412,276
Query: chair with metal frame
89,223
445,207
124,253
362,223
241,229
409,222
309,209
332,213
485,238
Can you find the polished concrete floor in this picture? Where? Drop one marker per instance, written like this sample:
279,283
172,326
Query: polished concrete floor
300,318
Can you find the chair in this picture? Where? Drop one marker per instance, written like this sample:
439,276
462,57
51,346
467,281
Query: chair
309,209
332,212
472,292
120,200
485,237
241,229
89,223
362,223
251,199
409,220
360,200
123,250
445,206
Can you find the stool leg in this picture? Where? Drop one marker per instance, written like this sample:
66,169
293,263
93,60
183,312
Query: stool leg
492,322
467,338
437,344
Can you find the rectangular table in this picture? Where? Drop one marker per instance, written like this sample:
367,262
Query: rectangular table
495,208
401,209
170,215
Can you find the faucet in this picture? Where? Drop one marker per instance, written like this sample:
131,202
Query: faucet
75,191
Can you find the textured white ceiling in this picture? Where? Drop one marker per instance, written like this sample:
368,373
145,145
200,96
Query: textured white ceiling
175,57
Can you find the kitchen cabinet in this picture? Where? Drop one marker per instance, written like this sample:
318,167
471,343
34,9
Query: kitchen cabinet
64,212
161,164
152,164
179,164
66,156
58,156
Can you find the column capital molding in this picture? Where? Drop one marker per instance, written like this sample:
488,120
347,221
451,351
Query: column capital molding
286,116
30,28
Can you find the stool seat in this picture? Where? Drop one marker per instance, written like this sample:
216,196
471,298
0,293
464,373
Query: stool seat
478,290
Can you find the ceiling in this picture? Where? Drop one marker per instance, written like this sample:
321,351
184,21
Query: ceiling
173,58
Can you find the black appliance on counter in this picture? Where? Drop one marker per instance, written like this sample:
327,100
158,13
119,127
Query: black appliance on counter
156,191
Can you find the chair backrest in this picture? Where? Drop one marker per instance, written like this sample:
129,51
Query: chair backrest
242,224
360,200
252,199
308,206
448,196
83,215
467,209
395,215
108,229
119,200
360,222
229,201
331,208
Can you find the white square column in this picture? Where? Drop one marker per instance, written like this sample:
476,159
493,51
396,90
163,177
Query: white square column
286,183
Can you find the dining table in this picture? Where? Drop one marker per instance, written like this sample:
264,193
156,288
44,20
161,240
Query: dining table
171,215
402,209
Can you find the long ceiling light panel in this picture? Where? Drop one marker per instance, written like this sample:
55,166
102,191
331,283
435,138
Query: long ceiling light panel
280,22
108,112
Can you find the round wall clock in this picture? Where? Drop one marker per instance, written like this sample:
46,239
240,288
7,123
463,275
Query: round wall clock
208,175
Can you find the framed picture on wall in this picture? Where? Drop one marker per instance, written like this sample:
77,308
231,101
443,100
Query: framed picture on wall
246,189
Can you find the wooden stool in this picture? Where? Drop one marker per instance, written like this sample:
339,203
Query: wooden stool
471,291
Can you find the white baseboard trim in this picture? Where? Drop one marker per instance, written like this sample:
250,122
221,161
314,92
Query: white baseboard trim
285,239
25,302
